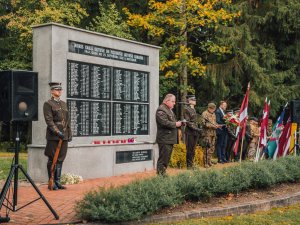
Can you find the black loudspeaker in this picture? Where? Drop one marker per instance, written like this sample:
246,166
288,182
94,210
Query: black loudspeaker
18,95
295,111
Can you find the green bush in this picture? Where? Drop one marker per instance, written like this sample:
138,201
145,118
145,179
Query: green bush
144,197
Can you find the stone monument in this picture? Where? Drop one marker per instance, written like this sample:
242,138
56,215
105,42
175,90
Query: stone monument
111,86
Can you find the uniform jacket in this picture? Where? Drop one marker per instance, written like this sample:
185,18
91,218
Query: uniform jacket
208,128
190,116
57,118
166,125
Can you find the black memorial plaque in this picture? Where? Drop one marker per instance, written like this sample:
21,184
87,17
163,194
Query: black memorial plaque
109,53
130,118
88,81
99,96
130,85
122,119
140,86
133,156
89,118
122,84
100,82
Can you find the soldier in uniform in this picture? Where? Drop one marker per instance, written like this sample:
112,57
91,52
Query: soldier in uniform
192,130
166,135
255,133
58,127
209,131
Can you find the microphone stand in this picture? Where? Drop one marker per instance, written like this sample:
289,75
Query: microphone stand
13,176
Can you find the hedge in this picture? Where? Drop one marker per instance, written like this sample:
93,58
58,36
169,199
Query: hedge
141,198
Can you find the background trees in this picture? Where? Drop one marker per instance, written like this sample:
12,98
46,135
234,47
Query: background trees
210,48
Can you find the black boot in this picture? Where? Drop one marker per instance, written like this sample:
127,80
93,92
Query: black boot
57,176
49,164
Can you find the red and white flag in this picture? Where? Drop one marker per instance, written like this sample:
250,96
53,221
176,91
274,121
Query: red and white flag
243,119
285,139
264,124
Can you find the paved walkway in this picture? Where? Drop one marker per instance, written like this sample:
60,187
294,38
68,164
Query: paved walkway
62,201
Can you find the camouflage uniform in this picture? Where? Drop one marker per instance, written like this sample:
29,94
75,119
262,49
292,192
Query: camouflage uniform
209,133
254,142
166,136
191,134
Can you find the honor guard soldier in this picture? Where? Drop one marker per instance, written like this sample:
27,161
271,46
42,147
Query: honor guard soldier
167,134
58,127
192,130
209,131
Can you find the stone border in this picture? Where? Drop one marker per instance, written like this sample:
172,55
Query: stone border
246,208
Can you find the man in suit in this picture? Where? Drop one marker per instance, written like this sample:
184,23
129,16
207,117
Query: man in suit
221,133
57,118
167,134
192,130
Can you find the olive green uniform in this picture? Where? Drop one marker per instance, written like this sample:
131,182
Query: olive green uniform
57,119
209,133
191,134
166,136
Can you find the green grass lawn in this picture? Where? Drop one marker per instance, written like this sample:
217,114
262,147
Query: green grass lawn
6,161
284,215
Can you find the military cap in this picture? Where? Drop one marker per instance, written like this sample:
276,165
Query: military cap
211,105
191,97
55,85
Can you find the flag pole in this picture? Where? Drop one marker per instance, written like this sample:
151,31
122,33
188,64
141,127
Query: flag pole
241,149
257,151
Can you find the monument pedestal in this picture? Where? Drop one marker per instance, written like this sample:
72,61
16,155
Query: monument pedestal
94,161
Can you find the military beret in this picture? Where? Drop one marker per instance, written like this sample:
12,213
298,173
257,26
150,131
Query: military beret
211,105
55,85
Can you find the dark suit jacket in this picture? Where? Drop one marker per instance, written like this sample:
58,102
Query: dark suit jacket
220,120
166,126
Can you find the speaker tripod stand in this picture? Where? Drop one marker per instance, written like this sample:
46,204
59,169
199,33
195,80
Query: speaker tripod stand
13,176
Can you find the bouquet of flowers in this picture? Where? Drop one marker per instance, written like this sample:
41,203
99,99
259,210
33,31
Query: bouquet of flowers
232,120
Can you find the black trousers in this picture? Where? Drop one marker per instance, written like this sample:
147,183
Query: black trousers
165,151
190,141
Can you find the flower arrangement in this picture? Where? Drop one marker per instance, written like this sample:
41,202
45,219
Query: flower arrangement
69,178
232,120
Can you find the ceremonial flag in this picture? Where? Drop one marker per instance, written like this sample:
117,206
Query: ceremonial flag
276,131
264,124
285,139
243,119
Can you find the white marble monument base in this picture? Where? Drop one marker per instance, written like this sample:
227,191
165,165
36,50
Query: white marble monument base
91,161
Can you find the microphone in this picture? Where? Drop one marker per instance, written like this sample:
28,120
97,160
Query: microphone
183,103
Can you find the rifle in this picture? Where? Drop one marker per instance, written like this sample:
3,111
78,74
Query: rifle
57,150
